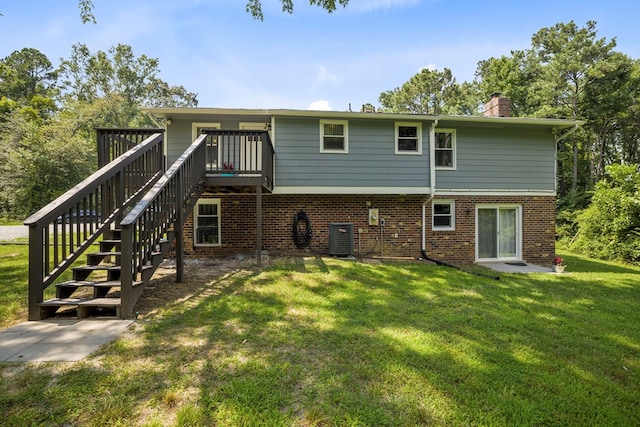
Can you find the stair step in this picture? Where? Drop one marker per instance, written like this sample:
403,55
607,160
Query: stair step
85,308
113,234
89,284
61,302
97,268
105,253
96,258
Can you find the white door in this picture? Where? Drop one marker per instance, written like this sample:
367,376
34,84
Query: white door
251,149
498,234
212,150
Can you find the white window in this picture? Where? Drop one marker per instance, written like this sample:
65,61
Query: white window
445,149
206,223
334,136
444,214
408,138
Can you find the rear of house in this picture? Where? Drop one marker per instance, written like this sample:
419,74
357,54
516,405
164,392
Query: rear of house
465,189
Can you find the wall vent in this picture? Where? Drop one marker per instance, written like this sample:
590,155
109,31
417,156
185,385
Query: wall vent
341,238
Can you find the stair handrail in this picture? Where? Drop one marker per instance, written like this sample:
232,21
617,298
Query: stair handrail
60,232
164,206
114,142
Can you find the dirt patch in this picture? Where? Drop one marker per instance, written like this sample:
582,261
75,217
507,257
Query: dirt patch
199,274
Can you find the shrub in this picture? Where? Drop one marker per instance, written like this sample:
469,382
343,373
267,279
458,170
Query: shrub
610,227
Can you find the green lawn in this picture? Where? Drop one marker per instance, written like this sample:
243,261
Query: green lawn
324,342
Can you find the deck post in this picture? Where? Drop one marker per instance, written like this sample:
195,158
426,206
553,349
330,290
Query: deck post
36,270
259,225
179,228
126,272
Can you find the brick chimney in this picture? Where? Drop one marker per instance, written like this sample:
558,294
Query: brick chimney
498,106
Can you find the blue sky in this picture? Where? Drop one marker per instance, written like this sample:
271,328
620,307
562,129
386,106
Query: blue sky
310,59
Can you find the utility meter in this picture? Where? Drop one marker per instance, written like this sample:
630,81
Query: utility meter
373,216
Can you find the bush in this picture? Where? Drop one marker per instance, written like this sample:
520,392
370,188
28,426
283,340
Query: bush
610,227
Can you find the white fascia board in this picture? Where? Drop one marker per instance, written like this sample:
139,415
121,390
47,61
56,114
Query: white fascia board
499,121
197,111
349,190
493,192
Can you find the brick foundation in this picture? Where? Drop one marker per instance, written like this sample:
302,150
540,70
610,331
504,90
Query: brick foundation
402,214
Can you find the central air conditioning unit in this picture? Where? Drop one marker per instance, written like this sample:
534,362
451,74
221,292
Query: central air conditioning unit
341,238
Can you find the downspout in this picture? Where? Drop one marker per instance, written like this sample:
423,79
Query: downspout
567,133
432,191
432,183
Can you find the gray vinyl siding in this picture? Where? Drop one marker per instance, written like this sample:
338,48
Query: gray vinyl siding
179,137
370,162
499,159
179,132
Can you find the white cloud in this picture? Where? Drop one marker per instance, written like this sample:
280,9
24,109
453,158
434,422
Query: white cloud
323,76
368,5
320,105
430,67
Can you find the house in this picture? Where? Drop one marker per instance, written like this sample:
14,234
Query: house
466,189
217,182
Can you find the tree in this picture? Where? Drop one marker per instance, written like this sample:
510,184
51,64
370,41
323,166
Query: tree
124,81
27,80
570,58
428,92
36,164
254,7
606,101
512,76
610,227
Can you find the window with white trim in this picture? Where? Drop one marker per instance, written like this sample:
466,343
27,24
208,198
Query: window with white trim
408,138
443,214
334,136
445,149
206,223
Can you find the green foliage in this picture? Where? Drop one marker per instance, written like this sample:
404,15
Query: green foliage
512,76
48,147
254,7
610,227
428,92
35,161
121,80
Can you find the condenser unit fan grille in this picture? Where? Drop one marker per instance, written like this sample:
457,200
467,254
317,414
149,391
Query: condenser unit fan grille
341,238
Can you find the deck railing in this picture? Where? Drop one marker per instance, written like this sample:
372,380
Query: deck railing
240,153
61,231
163,207
113,143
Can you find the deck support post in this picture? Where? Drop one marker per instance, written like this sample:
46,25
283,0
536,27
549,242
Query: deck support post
36,270
179,229
259,225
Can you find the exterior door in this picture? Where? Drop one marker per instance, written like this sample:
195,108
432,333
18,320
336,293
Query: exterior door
212,150
498,235
251,149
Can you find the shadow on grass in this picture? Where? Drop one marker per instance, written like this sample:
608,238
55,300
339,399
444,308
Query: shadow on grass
345,343
319,341
582,264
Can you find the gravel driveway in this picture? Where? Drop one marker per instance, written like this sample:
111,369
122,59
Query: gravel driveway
11,232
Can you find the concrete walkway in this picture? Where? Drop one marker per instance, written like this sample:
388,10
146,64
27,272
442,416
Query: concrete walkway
67,340
516,267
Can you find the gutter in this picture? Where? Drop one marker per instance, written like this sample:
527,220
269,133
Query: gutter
569,132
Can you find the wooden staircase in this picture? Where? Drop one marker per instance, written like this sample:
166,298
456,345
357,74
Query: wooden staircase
100,296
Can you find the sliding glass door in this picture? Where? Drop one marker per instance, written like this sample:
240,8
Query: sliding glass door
498,232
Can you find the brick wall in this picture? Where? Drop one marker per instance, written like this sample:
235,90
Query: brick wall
402,214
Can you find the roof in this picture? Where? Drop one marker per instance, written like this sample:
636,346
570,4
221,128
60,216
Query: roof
194,113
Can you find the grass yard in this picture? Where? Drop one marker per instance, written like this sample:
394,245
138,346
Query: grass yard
325,342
